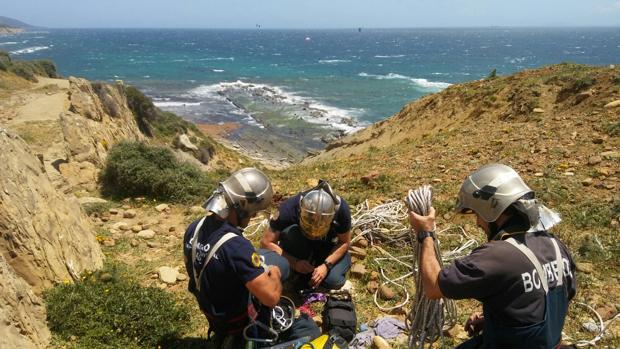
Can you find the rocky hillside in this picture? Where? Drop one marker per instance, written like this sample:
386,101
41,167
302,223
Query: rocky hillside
55,135
559,126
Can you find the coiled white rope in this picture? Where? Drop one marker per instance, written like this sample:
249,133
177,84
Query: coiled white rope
255,227
427,318
602,327
385,223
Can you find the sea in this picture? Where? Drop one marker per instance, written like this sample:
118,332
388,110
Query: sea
302,88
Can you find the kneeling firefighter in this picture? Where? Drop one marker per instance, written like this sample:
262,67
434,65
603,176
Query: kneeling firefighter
226,274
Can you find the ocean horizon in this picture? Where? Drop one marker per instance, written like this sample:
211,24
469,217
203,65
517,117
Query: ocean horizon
305,86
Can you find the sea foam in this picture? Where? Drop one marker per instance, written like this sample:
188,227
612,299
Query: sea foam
29,50
420,82
318,113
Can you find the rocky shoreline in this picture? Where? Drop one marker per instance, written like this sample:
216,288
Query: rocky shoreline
10,30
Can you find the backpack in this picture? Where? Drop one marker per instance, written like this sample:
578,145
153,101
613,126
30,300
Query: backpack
339,317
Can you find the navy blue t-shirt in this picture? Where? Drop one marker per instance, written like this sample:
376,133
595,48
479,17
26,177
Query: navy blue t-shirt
289,212
223,293
289,215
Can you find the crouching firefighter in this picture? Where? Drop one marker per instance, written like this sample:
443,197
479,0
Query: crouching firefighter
225,273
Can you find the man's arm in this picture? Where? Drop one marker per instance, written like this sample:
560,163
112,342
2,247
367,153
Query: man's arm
429,266
270,240
320,272
340,249
267,287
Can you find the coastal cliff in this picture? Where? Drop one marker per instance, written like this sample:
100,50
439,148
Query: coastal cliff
55,136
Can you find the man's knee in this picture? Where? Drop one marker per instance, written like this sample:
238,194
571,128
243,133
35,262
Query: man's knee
272,258
334,281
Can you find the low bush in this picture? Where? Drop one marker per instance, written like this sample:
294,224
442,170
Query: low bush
613,129
106,309
46,68
5,60
23,70
29,69
135,169
154,122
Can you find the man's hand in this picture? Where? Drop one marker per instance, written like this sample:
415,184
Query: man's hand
318,275
474,324
302,266
422,223
274,272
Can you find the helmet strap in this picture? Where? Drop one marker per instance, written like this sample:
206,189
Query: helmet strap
493,230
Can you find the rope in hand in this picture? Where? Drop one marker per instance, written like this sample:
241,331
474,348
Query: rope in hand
427,318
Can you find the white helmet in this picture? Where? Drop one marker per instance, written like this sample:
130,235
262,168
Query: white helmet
490,190
247,191
317,210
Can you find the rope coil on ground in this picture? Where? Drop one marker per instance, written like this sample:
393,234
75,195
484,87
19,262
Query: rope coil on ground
427,318
602,328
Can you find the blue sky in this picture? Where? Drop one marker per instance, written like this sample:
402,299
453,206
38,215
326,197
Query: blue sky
312,13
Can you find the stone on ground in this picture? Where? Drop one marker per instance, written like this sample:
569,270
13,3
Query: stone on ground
162,207
146,234
358,270
168,274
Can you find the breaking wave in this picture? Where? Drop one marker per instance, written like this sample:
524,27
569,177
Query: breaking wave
29,50
420,82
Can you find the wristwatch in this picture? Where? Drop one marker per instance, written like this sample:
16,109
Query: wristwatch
328,265
424,234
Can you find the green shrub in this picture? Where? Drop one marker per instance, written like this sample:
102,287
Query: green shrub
613,129
152,120
97,207
5,60
46,68
136,169
492,74
107,310
23,69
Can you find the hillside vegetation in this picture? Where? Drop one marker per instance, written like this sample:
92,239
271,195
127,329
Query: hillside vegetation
557,126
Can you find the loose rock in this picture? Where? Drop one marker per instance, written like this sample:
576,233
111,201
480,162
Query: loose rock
152,244
594,160
358,252
613,104
168,274
538,110
134,243
611,155
363,243
372,286
162,207
196,210
374,275
587,182
113,211
136,228
386,292
585,267
120,226
379,342
146,234
181,277
358,270
129,214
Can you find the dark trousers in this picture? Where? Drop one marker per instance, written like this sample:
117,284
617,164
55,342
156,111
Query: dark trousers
296,245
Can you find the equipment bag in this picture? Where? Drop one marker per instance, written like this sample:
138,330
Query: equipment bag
339,318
